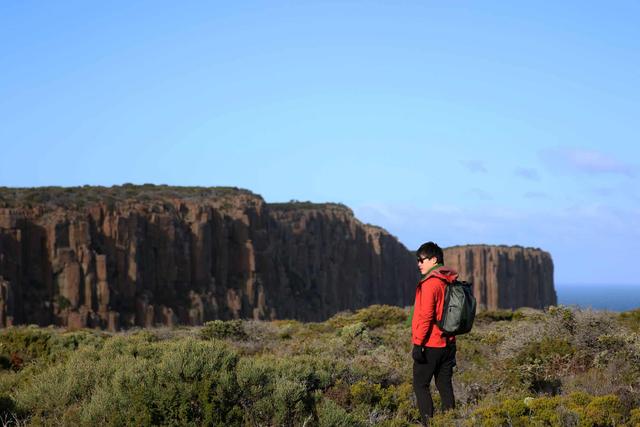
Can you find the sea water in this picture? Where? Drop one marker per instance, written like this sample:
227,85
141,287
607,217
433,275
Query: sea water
600,297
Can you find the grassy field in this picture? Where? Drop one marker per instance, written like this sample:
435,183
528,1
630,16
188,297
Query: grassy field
561,367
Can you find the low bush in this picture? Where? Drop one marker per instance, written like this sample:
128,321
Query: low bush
223,329
499,415
630,319
372,317
281,391
498,315
32,343
603,411
182,382
373,394
537,366
330,414
376,316
634,417
575,409
564,317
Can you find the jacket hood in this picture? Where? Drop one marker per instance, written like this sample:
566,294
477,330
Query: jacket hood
445,273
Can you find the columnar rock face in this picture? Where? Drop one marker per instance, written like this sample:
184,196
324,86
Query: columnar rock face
185,257
505,277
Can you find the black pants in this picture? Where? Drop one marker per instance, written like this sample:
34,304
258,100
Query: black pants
427,363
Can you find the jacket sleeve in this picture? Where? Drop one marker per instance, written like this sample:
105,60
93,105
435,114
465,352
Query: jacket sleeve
425,316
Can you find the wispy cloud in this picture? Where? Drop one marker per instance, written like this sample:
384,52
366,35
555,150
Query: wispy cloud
586,161
474,166
528,173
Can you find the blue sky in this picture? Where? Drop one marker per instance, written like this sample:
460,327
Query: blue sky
459,122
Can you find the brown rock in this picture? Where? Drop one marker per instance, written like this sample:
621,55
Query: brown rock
6,303
77,319
113,321
505,276
188,256
69,283
168,317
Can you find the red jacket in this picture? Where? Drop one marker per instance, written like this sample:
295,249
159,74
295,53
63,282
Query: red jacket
427,308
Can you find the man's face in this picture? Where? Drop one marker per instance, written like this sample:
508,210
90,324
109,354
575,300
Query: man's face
425,264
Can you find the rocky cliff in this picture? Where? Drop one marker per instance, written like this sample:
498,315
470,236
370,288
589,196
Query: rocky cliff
505,276
156,255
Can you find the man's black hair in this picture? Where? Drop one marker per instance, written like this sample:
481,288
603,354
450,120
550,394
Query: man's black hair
430,250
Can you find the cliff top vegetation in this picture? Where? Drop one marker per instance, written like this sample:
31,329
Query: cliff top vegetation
480,245
79,197
76,197
307,205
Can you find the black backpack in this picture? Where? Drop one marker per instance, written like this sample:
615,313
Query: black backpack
459,309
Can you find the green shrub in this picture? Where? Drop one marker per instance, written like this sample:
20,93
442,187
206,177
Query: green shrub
281,391
29,342
603,411
507,412
536,365
634,417
631,319
223,329
498,315
374,395
564,316
286,328
180,382
372,317
32,343
407,408
62,384
546,349
353,331
445,419
545,410
330,414
493,338
578,399
376,316
292,400
579,407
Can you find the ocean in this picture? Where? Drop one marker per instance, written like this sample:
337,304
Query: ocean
600,297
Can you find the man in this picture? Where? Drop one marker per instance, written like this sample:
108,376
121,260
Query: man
433,354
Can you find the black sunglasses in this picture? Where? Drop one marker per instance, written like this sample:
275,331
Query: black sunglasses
421,260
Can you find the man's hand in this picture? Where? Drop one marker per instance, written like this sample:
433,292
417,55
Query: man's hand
419,354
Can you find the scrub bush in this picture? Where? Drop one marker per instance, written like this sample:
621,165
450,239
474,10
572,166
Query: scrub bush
634,417
374,395
281,391
372,317
631,319
376,316
183,382
330,414
538,364
603,411
498,315
223,329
